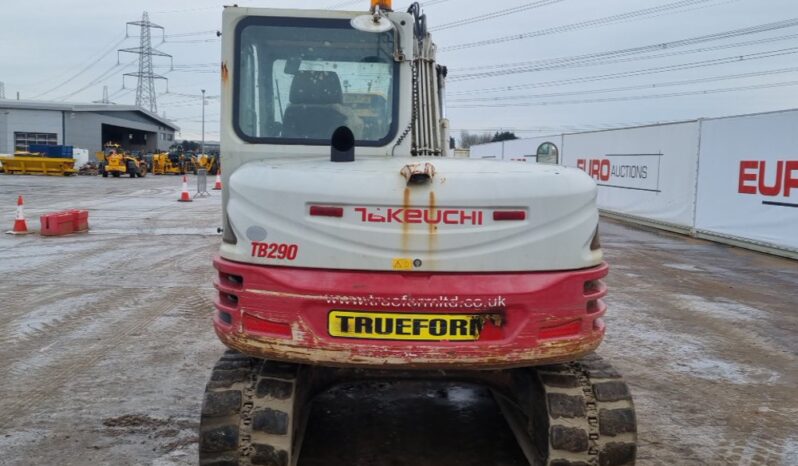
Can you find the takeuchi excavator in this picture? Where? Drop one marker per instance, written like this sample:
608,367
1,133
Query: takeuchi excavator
354,246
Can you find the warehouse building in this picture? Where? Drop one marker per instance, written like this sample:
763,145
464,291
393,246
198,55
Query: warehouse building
84,126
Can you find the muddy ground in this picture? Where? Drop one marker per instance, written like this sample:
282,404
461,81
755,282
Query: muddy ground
106,344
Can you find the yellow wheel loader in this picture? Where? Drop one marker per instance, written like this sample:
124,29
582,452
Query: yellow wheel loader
209,162
116,162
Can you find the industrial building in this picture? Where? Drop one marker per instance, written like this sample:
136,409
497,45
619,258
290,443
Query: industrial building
84,126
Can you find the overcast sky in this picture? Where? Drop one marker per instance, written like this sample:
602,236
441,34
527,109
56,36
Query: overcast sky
44,44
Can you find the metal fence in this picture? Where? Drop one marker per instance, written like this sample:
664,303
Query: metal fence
202,183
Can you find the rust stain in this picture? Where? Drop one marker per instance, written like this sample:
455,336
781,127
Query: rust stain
433,229
281,294
405,225
431,357
432,237
225,73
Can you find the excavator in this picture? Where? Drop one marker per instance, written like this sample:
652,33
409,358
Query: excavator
116,162
355,247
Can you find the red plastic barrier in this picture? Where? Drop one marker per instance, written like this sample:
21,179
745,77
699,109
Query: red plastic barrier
57,224
81,219
64,222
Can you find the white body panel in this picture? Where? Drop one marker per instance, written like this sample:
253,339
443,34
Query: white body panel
268,191
270,201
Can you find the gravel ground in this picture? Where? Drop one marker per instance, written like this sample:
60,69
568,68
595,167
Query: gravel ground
106,344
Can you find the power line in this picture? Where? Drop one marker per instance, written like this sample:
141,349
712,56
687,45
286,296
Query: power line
647,57
185,10
600,58
544,129
355,2
647,12
575,127
119,92
195,96
192,104
197,65
636,97
196,121
495,14
91,64
193,41
103,76
197,71
755,74
643,72
189,34
429,3
342,4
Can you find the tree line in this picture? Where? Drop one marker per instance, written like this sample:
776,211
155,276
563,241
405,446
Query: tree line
468,139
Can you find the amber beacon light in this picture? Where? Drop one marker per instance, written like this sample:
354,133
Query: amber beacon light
383,4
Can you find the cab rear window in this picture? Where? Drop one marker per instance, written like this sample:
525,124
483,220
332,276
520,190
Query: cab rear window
298,80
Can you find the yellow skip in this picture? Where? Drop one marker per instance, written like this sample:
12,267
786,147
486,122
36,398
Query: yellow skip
34,165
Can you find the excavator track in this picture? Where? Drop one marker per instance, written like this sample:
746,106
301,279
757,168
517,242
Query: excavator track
573,414
252,413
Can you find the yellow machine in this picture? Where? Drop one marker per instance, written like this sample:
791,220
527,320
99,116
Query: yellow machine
172,163
368,107
209,162
33,163
162,165
116,162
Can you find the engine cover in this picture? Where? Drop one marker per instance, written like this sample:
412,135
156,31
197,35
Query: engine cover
411,215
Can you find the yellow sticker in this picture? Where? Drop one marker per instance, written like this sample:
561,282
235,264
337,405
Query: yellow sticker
401,263
404,326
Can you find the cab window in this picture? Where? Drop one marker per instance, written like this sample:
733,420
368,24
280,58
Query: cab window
298,80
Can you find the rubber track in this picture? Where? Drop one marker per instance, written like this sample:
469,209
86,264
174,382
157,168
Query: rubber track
249,414
590,417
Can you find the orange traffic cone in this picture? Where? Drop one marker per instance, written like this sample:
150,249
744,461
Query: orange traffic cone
184,195
218,185
20,225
